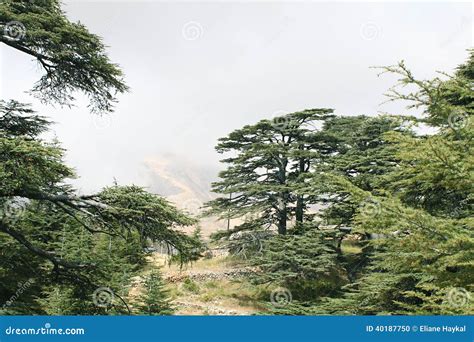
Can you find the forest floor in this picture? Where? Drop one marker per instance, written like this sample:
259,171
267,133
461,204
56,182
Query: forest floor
216,286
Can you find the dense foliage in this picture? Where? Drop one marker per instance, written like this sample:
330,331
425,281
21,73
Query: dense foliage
62,252
337,214
268,160
72,58
389,208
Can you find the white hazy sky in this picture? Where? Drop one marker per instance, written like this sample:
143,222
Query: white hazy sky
198,70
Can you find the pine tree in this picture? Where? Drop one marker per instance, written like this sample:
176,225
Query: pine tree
306,264
422,264
72,58
267,160
48,232
77,243
155,299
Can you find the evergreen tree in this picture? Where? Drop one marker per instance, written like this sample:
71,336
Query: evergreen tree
423,262
267,160
155,298
65,238
413,193
72,58
306,264
65,245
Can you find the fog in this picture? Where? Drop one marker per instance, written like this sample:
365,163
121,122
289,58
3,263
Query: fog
199,70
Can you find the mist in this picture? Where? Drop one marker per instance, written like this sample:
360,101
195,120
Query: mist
197,71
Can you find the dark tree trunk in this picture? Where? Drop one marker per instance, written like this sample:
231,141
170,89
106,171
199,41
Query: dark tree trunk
283,200
282,221
299,199
299,209
228,218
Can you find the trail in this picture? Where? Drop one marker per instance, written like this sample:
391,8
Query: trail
206,287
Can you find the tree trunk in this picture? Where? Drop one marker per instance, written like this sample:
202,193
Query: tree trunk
299,199
228,212
283,200
282,221
299,209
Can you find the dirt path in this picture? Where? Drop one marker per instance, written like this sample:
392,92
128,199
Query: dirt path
207,287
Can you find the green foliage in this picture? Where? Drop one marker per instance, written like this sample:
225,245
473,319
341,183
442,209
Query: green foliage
403,199
190,285
357,150
70,243
64,246
155,299
266,161
72,58
422,264
191,249
407,201
308,265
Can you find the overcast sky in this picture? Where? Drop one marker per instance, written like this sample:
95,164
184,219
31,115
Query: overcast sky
199,70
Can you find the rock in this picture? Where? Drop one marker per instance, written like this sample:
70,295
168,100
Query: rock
210,275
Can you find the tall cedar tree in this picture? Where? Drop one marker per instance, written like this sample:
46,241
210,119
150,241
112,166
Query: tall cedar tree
42,217
51,235
266,162
423,262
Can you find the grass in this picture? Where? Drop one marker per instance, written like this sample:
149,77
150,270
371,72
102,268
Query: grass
350,247
239,296
213,264
228,294
233,294
191,286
